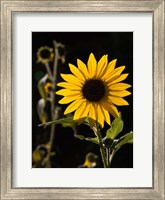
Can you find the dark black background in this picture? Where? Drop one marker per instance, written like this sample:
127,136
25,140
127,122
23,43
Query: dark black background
70,152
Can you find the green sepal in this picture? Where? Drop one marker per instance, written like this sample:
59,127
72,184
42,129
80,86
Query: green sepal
116,128
126,139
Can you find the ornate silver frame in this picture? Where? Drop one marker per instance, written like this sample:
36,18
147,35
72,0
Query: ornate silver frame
156,7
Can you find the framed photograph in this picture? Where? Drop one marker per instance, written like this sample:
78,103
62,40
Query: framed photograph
82,100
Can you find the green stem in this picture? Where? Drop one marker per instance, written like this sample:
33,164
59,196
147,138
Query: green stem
111,157
74,131
56,58
48,70
108,155
53,79
53,113
101,147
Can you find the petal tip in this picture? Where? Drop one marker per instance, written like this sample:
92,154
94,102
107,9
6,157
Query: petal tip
62,75
92,56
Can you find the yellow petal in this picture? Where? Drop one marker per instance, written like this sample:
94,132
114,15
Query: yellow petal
102,66
118,101
66,92
112,64
92,65
106,116
122,93
69,86
111,108
116,79
86,111
110,69
82,67
71,79
76,72
91,115
115,72
100,115
92,112
79,111
119,86
66,100
73,106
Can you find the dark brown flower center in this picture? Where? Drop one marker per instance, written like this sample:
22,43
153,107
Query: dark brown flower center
93,90
45,53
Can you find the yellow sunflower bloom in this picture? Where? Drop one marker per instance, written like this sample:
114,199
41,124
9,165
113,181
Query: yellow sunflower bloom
45,54
94,91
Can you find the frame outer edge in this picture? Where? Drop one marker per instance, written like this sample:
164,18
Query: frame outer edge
6,97
159,101
161,161
9,100
3,101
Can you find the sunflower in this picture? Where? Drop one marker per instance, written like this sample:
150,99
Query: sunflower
94,91
45,54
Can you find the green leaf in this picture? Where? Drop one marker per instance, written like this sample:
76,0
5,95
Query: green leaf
81,137
94,140
127,138
67,125
89,139
116,128
42,91
60,121
41,110
41,85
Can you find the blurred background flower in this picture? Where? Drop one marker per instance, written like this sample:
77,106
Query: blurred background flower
90,161
45,54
